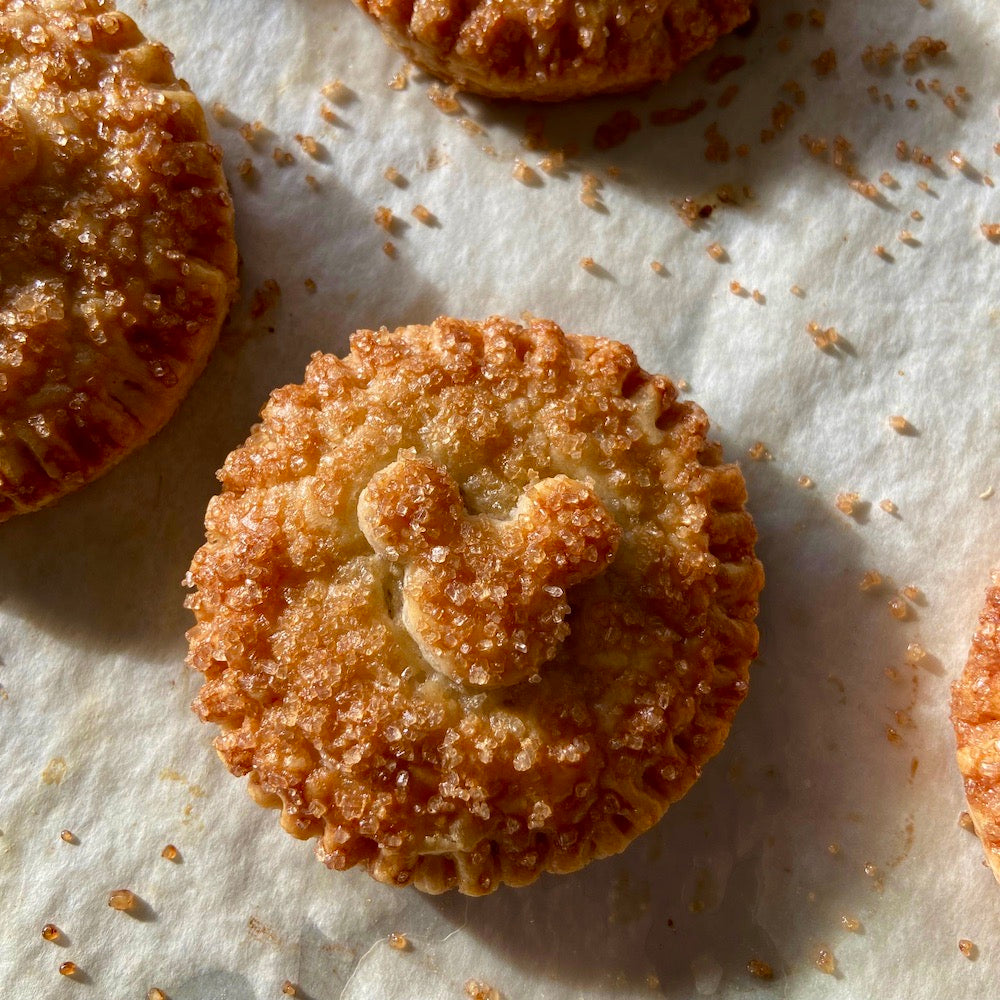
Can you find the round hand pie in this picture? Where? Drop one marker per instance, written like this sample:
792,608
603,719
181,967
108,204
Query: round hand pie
557,50
117,259
476,602
975,714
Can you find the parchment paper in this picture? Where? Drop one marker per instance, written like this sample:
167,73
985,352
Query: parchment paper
769,852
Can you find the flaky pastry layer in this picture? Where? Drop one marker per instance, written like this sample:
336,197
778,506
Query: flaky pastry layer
117,255
554,49
476,602
975,714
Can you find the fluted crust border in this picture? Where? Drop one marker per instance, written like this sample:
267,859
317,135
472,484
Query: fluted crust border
556,50
322,698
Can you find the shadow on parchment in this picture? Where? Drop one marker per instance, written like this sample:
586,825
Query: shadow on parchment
747,131
743,868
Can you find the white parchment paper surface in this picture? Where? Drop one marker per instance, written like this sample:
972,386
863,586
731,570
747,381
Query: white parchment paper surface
814,811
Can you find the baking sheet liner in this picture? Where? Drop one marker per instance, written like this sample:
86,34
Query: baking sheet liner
836,796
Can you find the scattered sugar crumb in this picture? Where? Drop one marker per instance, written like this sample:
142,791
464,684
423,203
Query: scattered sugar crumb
249,131
898,609
308,143
334,90
675,116
523,173
476,990
443,98
616,129
590,185
823,338
553,162
264,298
824,960
848,503
825,63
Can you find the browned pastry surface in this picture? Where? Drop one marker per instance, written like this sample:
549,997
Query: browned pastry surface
117,259
476,602
975,714
555,49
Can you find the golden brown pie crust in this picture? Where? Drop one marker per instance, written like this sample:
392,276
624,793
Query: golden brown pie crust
975,714
477,602
557,49
117,258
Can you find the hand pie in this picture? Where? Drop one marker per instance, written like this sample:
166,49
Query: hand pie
117,259
476,602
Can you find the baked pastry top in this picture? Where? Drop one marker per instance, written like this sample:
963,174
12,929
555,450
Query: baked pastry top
975,714
554,50
477,601
117,257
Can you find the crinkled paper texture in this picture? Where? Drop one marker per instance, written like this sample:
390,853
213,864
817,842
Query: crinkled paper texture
769,851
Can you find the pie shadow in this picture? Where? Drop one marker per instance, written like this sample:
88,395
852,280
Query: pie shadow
728,130
767,853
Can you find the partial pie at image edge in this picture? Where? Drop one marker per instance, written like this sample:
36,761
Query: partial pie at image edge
975,715
118,251
565,50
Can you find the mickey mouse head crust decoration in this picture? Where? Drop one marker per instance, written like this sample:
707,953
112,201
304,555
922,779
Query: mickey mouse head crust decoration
473,611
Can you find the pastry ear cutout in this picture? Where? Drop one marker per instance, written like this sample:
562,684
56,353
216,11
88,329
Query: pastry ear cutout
485,599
